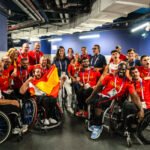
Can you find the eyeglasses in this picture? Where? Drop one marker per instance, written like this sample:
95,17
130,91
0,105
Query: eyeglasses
94,48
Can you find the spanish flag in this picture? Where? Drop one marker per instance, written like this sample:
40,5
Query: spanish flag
49,83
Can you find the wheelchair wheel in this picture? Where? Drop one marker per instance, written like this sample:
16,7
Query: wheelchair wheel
5,127
29,112
144,129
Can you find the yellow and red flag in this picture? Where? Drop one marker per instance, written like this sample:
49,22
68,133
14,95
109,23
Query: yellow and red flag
49,83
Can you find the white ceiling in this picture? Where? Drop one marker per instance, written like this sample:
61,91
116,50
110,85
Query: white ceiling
103,11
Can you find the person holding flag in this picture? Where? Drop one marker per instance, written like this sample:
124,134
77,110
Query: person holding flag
45,88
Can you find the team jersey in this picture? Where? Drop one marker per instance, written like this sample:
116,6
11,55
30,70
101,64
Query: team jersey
116,86
142,88
89,76
22,76
5,79
22,55
144,72
85,56
113,67
73,69
34,57
121,57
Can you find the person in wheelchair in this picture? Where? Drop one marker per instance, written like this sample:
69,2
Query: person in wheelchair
86,80
9,106
111,87
142,88
42,99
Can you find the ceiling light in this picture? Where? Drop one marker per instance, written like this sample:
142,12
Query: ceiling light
140,27
55,40
89,36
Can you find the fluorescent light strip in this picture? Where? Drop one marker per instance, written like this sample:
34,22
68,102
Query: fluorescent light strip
140,27
55,40
89,36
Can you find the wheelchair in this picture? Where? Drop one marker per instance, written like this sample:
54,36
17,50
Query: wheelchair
114,122
33,114
5,127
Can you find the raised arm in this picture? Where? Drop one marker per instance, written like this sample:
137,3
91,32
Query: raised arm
25,85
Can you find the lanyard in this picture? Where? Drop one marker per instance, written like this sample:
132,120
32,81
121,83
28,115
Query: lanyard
23,57
148,72
121,84
60,64
142,89
88,77
21,73
94,61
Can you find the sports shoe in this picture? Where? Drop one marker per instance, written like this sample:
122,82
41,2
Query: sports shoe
96,132
91,128
45,122
24,128
53,121
70,110
16,130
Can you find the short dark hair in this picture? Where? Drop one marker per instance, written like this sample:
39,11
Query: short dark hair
143,56
71,49
130,50
83,47
114,51
118,46
98,46
131,69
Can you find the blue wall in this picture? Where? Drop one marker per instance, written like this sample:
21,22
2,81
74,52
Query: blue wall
107,40
3,33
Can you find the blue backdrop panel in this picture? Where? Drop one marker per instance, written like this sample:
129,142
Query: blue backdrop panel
3,33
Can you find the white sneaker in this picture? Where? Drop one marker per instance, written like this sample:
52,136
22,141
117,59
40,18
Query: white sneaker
53,121
70,110
45,122
16,131
24,128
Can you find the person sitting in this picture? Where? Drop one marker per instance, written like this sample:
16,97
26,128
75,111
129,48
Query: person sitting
142,87
87,79
11,105
42,99
111,87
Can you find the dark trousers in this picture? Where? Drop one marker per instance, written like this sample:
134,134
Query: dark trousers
82,95
48,103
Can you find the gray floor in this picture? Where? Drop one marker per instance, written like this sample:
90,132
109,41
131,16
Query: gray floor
72,136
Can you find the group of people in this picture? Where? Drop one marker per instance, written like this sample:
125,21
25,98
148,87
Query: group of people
90,77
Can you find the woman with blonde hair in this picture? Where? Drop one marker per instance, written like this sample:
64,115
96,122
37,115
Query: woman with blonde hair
13,54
